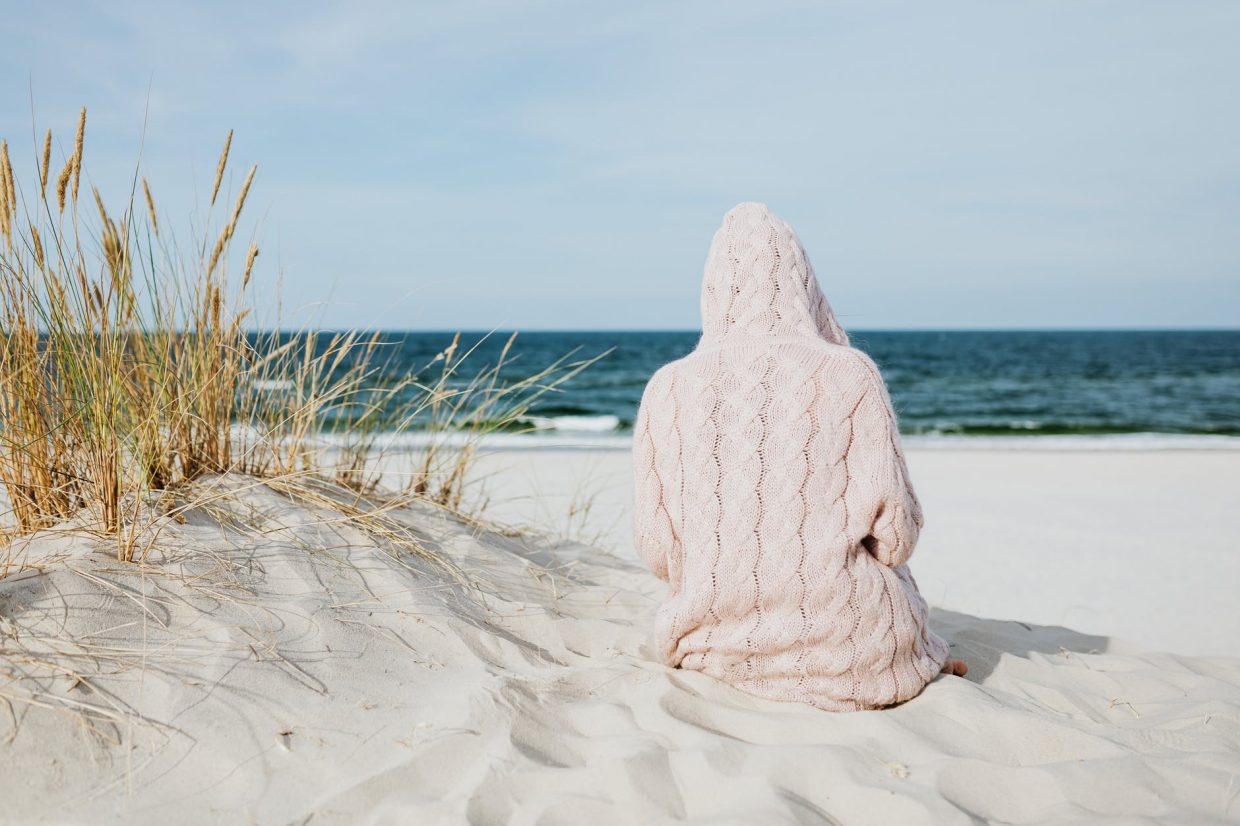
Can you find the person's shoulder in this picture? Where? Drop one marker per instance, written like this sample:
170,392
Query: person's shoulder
661,379
842,355
843,358
853,372
860,361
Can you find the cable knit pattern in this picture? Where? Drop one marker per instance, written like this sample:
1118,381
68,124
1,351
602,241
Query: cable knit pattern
772,492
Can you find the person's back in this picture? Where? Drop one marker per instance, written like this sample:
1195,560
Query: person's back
771,492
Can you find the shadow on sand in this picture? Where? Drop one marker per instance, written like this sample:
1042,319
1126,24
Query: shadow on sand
981,642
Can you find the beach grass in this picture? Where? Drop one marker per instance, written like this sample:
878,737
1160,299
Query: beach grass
128,368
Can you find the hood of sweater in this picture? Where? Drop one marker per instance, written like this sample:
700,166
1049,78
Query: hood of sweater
758,282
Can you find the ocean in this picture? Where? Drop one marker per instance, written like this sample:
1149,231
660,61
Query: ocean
1160,388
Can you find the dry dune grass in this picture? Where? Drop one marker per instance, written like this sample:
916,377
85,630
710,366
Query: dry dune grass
127,370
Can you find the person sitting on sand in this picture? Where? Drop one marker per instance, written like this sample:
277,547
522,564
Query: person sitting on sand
772,493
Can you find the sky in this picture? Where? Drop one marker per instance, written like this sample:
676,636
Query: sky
562,165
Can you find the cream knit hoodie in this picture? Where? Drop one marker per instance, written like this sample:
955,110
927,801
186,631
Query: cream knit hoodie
772,494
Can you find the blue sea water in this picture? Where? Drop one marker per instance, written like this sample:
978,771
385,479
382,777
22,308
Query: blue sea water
980,386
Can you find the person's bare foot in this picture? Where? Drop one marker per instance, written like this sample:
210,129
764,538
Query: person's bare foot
955,667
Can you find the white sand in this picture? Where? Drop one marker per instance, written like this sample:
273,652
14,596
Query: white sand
311,674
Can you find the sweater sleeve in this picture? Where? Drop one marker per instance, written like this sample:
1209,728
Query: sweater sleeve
652,525
876,460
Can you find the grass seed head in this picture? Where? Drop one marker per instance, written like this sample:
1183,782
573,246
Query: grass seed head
77,152
47,160
150,205
219,167
62,184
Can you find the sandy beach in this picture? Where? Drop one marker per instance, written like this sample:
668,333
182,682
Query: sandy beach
271,664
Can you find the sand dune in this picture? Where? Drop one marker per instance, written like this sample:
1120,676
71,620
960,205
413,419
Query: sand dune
269,666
